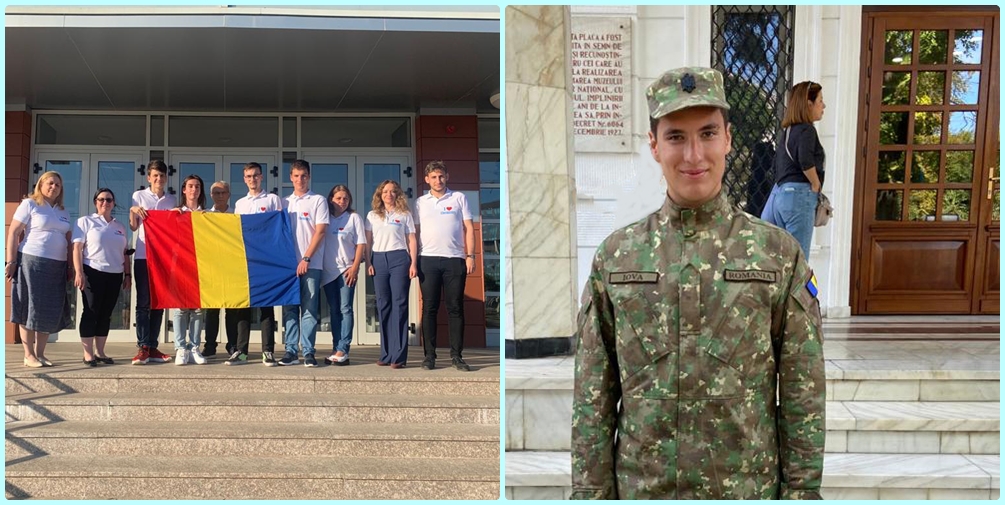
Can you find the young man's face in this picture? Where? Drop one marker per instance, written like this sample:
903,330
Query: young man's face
691,147
301,180
157,179
220,195
253,178
437,180
192,190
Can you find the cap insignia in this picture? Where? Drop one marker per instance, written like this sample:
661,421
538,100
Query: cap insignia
687,83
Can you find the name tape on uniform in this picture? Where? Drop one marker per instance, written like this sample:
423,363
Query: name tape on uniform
634,277
750,276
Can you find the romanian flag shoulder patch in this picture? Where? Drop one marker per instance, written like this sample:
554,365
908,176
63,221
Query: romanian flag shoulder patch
214,260
811,285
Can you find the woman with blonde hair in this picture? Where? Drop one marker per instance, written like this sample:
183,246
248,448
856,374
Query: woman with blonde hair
392,250
38,267
799,166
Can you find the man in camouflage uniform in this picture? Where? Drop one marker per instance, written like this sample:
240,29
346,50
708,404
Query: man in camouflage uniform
693,319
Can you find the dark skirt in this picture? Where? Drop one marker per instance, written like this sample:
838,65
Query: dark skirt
39,298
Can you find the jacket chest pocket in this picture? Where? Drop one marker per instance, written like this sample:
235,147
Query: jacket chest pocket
720,361
646,348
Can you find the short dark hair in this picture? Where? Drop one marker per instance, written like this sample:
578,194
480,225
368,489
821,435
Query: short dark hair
300,165
99,191
654,123
436,165
157,165
253,166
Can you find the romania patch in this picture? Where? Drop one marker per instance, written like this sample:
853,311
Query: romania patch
811,285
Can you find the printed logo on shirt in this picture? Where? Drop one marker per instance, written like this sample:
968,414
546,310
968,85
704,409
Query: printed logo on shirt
305,216
448,210
119,232
64,219
262,209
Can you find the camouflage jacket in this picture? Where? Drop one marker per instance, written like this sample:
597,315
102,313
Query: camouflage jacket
687,317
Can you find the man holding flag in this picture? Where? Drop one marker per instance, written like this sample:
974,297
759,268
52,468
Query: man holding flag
257,201
308,214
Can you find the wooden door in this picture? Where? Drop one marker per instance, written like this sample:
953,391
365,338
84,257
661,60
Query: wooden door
926,230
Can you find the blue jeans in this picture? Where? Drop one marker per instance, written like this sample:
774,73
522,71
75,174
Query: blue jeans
340,307
148,322
301,321
795,209
390,284
190,321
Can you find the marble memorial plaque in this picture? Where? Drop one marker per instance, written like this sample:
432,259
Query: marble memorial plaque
601,84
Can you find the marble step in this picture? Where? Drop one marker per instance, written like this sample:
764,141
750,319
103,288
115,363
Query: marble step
206,439
250,378
547,475
242,407
311,476
541,420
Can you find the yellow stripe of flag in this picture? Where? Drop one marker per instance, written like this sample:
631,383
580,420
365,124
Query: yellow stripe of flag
222,262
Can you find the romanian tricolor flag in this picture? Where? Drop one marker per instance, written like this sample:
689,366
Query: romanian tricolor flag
214,260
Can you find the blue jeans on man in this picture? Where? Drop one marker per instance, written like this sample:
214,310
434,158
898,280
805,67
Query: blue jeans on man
301,321
148,322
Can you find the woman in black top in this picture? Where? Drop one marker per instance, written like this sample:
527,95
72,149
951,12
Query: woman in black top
799,165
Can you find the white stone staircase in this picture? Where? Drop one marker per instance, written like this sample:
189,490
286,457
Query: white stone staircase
914,419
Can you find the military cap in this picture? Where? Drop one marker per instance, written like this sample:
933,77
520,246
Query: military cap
685,87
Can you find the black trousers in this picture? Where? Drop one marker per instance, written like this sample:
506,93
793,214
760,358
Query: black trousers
101,293
213,328
243,325
448,274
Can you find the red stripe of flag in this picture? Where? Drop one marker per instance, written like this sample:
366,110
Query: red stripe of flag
171,262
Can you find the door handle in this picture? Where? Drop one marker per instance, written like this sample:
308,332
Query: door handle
991,182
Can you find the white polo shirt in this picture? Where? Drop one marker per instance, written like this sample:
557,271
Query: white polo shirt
256,204
344,233
148,200
306,212
104,242
212,208
391,232
441,223
45,229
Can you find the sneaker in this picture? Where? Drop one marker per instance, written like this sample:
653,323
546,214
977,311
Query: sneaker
197,357
268,359
309,361
142,357
209,352
181,357
289,359
159,357
231,349
460,364
429,363
237,358
335,359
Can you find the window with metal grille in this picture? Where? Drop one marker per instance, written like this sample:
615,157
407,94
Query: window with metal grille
752,47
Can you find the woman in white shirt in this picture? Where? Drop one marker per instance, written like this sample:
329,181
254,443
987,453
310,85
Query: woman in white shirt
38,267
390,238
345,245
101,272
189,320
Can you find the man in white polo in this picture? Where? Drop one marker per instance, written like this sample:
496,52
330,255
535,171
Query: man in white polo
256,201
308,212
446,257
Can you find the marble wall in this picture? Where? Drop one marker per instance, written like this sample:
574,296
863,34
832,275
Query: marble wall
541,253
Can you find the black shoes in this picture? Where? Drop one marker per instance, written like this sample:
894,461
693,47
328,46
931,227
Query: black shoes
428,363
91,363
459,364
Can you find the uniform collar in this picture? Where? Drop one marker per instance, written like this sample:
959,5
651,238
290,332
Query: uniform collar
688,220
